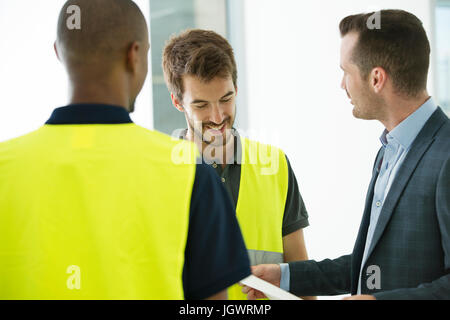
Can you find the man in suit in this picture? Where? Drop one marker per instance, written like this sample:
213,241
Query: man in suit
403,246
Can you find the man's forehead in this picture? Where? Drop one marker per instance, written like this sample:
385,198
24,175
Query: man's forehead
348,42
197,88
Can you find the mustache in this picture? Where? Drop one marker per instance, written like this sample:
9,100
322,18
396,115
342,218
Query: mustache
215,124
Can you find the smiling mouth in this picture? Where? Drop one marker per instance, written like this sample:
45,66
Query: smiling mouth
217,129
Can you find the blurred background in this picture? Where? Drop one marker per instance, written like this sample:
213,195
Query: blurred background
289,93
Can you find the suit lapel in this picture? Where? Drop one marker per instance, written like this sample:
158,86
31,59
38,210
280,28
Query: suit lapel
416,152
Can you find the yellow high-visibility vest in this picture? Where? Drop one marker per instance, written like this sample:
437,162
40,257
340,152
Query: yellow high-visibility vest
261,202
94,212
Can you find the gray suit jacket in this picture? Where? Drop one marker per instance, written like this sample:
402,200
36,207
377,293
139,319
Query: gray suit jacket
411,243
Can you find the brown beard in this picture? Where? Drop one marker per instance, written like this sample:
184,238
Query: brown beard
200,135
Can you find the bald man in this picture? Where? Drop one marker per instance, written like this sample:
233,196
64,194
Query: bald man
107,58
93,206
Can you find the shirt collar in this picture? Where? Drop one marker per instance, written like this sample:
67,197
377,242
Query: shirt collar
89,114
405,133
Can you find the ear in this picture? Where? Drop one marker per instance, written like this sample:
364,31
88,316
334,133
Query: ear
378,79
56,50
133,58
176,103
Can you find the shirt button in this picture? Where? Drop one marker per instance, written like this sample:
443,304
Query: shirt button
214,165
378,203
223,179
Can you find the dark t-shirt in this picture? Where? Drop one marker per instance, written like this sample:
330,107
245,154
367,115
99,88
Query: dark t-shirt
295,214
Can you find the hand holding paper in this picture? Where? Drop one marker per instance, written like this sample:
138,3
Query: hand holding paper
272,292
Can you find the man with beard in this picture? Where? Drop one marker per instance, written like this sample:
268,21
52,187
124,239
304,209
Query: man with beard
200,72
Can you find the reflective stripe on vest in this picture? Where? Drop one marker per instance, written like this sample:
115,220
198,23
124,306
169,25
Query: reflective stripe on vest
263,257
87,212
261,203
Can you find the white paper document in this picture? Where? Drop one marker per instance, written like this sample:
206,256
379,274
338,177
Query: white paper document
272,292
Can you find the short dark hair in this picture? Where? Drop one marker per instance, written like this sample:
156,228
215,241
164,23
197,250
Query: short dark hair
400,46
201,53
108,27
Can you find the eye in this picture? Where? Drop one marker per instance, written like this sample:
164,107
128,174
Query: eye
225,100
201,106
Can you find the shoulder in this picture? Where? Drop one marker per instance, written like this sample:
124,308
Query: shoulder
263,151
22,142
441,144
443,135
157,136
180,151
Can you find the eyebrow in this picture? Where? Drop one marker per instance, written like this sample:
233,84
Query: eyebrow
229,93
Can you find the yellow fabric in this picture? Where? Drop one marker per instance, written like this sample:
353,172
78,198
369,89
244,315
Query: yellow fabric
94,212
262,199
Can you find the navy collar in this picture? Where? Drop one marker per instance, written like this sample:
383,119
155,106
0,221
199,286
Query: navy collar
89,114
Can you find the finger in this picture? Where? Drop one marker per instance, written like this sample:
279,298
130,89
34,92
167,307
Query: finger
255,294
259,295
245,289
251,295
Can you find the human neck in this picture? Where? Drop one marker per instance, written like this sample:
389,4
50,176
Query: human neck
99,91
399,108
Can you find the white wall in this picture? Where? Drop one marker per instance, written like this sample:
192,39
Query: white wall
295,102
32,81
210,15
143,114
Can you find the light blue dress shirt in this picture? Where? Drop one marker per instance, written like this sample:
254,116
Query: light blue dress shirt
396,144
285,274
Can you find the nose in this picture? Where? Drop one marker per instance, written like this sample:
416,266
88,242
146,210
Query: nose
343,83
216,115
